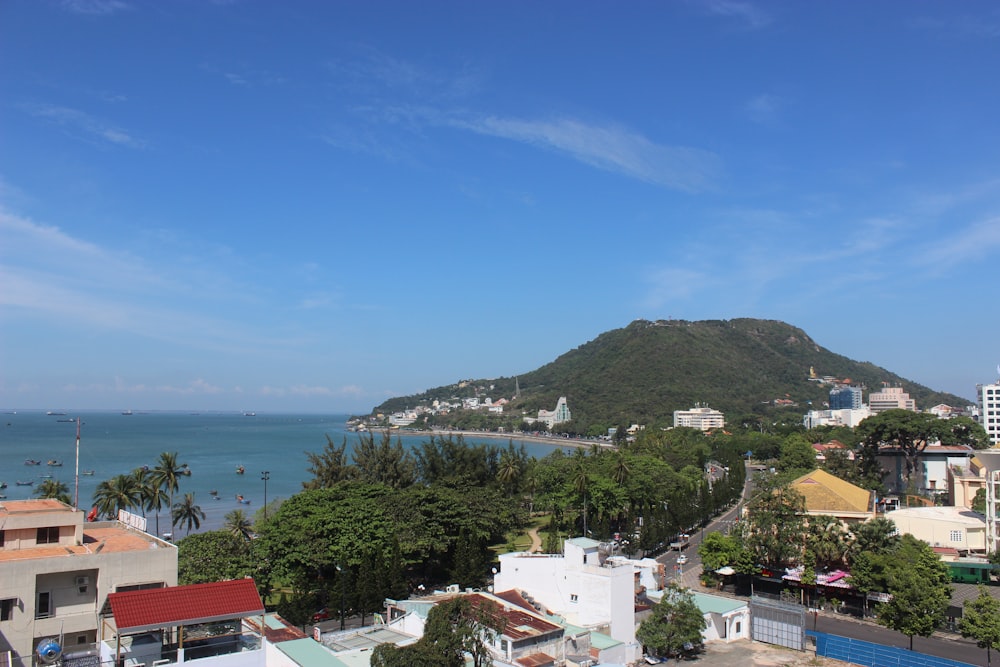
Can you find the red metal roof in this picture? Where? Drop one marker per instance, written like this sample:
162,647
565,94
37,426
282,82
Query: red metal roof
137,611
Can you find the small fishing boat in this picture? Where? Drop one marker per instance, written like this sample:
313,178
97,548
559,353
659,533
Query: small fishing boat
243,501
87,472
53,463
32,462
20,483
3,485
213,492
47,475
240,470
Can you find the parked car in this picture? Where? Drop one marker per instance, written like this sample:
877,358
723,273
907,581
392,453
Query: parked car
321,615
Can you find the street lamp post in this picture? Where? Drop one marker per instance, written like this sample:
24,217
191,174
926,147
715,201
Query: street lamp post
266,475
343,588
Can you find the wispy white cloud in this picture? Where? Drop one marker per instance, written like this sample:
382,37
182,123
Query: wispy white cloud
964,25
764,108
78,121
608,147
95,7
979,241
671,284
747,13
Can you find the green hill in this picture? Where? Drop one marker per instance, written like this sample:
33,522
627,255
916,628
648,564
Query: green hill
645,371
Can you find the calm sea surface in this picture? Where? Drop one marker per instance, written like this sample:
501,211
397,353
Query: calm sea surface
212,444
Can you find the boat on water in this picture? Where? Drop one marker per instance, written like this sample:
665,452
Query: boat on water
32,462
55,414
47,475
240,470
3,485
28,483
127,412
243,501
53,463
250,414
87,472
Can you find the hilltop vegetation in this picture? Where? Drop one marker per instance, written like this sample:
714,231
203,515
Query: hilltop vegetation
645,371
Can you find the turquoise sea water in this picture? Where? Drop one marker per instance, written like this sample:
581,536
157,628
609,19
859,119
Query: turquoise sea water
212,444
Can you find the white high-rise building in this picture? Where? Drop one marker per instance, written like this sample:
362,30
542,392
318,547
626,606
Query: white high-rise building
890,398
989,410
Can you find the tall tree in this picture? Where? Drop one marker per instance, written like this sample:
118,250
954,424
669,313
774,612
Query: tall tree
454,629
328,467
674,624
981,621
52,488
774,526
383,462
167,473
187,512
902,430
213,556
238,524
118,493
152,496
919,587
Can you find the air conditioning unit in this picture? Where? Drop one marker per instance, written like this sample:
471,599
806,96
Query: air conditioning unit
82,581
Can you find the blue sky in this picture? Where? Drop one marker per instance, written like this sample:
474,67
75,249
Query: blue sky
313,206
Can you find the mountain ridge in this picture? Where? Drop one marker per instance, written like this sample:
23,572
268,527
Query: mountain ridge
644,371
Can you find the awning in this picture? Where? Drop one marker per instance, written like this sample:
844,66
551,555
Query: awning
153,608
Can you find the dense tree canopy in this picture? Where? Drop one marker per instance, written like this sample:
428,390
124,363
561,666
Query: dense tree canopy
674,626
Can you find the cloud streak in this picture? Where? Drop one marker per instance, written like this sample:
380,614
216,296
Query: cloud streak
609,148
77,121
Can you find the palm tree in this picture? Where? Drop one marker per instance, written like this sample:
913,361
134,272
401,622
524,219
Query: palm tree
622,468
187,512
118,493
239,524
52,488
167,473
509,471
152,497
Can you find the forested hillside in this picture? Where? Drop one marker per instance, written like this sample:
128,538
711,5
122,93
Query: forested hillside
645,371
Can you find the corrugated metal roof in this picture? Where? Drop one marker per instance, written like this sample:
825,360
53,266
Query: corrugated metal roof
137,611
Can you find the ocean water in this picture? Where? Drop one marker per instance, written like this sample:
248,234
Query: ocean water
213,444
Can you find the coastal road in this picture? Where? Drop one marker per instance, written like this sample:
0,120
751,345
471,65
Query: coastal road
689,573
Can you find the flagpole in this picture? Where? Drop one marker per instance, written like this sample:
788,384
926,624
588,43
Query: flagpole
76,492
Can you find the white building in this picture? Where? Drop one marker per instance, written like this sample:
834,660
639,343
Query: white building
726,619
558,416
699,417
843,417
890,398
56,573
989,410
584,585
954,527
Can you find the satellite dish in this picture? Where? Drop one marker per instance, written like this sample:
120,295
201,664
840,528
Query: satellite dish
49,651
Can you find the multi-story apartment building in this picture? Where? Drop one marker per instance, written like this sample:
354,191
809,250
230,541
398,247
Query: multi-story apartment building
56,572
700,417
845,398
558,416
890,398
989,410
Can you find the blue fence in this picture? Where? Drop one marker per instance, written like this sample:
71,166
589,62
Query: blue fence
875,655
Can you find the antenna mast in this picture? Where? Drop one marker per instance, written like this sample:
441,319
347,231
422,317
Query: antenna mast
76,492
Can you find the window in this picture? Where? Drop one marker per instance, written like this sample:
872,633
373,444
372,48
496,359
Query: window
1,539
7,608
49,535
736,630
955,535
573,597
44,607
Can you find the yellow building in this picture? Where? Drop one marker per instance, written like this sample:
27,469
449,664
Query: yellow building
828,495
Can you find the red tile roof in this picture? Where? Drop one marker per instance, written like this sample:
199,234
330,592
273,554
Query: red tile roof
138,611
